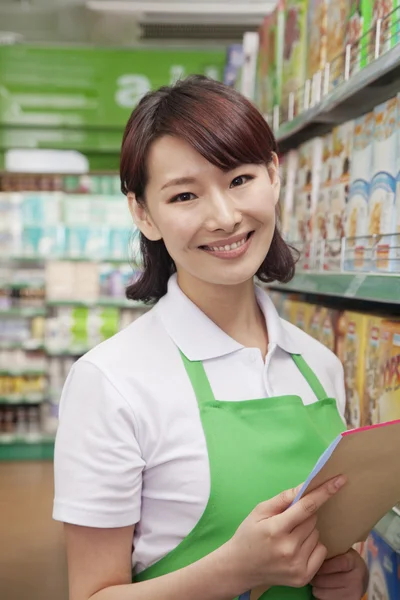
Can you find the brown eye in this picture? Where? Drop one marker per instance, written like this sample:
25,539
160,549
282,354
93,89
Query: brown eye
240,180
183,197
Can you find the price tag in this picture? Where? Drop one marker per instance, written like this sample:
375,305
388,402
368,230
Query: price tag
355,285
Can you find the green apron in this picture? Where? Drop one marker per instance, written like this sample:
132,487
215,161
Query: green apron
256,449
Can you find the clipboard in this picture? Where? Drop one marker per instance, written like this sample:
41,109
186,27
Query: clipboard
369,458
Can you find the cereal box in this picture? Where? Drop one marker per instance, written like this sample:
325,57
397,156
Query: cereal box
324,197
389,401
295,50
341,162
385,11
264,97
356,224
373,371
383,560
317,21
287,194
314,326
382,206
354,350
358,25
309,177
338,13
329,328
301,315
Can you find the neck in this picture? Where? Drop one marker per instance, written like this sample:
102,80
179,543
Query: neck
233,308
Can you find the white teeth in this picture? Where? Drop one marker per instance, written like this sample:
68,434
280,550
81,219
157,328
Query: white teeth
229,247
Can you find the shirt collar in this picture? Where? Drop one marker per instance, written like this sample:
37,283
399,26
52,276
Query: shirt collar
199,338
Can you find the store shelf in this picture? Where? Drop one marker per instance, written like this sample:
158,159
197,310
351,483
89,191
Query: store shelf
69,352
23,312
360,286
28,345
364,90
21,400
23,373
101,302
25,450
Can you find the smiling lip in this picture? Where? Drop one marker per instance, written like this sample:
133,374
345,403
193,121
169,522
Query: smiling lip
231,248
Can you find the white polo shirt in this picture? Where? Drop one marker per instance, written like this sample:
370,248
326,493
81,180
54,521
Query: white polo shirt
130,447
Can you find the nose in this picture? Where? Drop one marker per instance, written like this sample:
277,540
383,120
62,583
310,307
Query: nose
223,214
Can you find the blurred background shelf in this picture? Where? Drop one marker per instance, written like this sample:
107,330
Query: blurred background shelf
22,450
23,312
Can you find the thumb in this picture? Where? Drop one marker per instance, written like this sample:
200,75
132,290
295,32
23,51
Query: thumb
278,504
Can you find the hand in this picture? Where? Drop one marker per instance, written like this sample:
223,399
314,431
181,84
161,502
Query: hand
278,544
344,577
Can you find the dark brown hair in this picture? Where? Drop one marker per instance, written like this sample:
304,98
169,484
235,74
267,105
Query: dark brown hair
227,130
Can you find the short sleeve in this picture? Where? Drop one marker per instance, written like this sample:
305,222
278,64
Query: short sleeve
98,464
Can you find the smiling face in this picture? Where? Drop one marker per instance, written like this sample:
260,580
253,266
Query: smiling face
217,226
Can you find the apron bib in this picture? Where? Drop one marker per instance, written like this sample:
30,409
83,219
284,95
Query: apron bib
256,449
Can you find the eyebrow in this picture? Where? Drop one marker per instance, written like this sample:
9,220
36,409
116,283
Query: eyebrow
179,181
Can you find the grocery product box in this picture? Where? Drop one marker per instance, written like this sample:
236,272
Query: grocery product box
295,50
356,224
288,194
373,371
357,28
338,13
389,401
308,187
383,559
317,23
342,152
382,205
387,12
320,230
354,352
264,92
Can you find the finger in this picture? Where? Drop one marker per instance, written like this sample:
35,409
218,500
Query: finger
278,504
340,564
335,581
303,531
315,561
311,503
322,594
309,545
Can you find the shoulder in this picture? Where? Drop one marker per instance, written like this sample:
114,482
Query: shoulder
132,352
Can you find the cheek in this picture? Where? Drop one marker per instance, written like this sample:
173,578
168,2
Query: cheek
177,228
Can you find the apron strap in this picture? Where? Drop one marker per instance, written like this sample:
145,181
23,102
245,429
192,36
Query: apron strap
199,380
310,376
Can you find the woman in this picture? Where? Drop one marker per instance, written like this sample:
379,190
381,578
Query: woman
179,436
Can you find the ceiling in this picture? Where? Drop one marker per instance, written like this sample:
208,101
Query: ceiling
129,22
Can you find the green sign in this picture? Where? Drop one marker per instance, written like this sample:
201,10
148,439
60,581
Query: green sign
60,97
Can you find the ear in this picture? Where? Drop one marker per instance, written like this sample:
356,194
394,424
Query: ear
142,219
273,170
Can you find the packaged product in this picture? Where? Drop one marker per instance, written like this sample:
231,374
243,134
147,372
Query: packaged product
320,231
288,193
277,39
234,61
248,72
314,327
360,179
295,51
341,163
354,351
330,333
382,206
338,13
373,371
385,11
389,402
302,314
317,21
383,559
264,93
357,28
308,186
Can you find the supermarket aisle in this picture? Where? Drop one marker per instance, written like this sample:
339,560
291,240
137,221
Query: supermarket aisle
32,559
